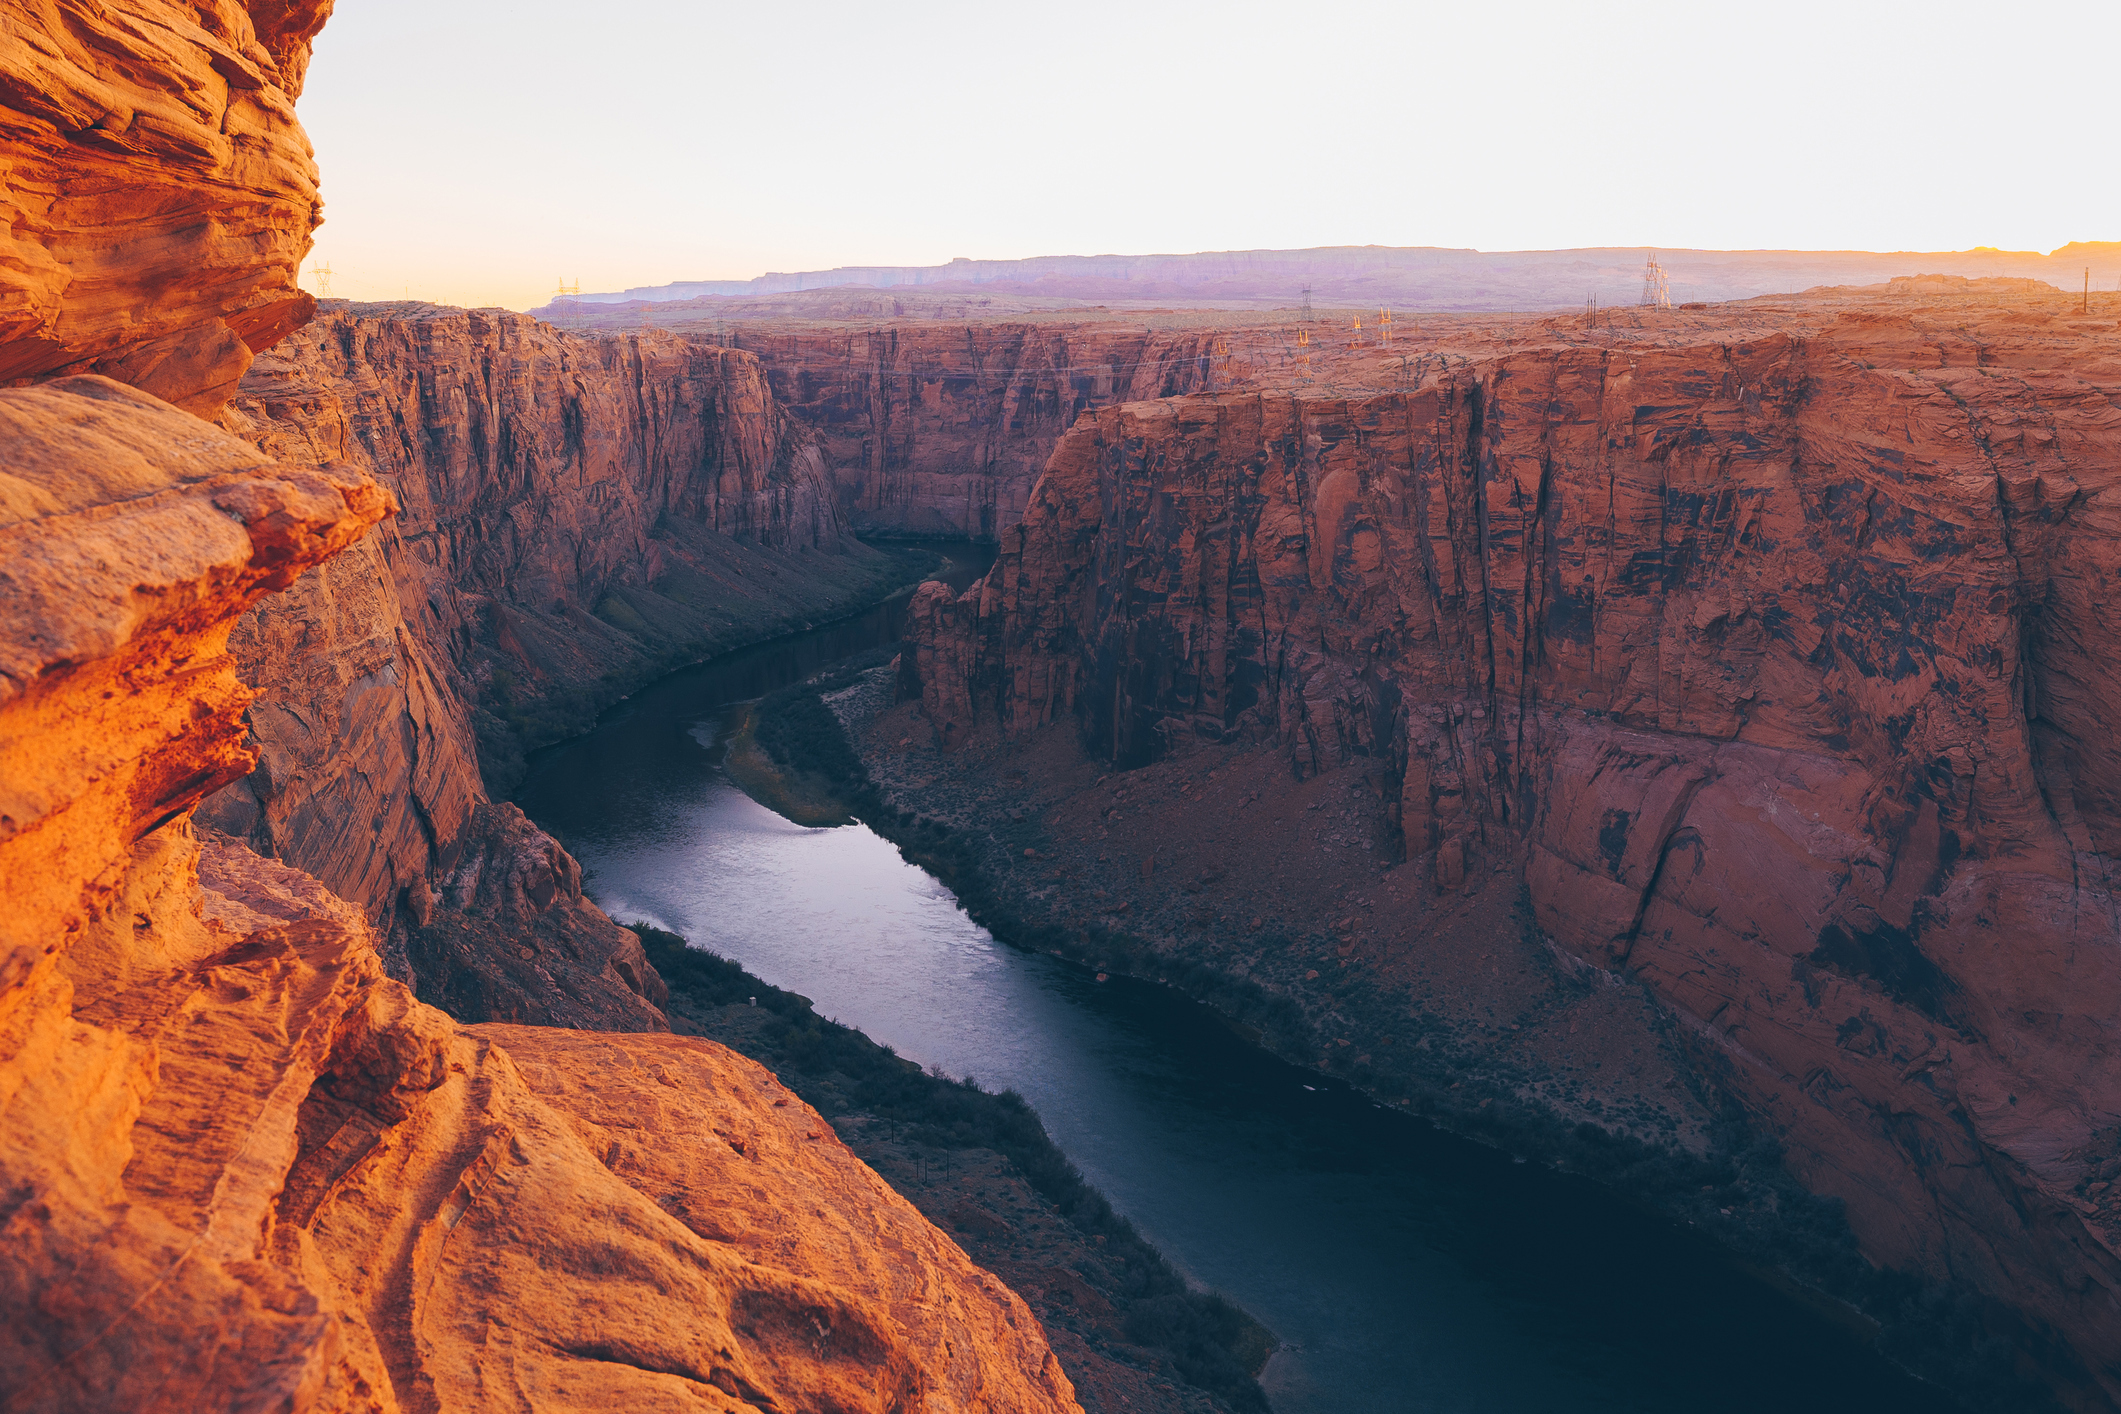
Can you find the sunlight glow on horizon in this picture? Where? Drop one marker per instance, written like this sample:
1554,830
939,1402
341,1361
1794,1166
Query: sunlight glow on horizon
474,158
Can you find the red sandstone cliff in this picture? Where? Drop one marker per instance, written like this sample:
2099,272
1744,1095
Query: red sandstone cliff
1769,659
580,514
240,1169
940,429
243,1169
153,148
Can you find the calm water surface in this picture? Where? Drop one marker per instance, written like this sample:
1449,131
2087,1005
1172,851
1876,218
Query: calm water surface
1403,1269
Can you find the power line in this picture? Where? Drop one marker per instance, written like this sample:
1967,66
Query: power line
572,293
1656,289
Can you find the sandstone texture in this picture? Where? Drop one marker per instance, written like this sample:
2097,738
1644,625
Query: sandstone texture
130,529
510,936
1757,653
579,515
158,193
940,430
244,1170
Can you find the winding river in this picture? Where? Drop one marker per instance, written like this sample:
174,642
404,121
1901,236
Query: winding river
1403,1269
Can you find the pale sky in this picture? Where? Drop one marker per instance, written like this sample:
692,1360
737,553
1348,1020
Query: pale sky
475,153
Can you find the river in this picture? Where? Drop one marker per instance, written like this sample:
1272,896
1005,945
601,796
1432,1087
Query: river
1403,1269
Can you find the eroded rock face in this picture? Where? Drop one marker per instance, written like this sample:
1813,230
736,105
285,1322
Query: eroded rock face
940,430
158,195
243,1170
1768,659
508,936
580,515
260,1175
132,535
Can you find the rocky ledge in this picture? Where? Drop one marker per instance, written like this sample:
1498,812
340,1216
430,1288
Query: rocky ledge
242,1169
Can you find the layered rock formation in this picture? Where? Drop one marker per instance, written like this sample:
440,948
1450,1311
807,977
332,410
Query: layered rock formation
580,514
152,149
240,1168
940,430
244,1170
1765,659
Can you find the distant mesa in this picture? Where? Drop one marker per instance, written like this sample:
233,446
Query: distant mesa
1426,277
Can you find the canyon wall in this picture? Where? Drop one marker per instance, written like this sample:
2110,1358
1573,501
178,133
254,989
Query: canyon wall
941,429
240,1168
579,516
244,1170
1768,664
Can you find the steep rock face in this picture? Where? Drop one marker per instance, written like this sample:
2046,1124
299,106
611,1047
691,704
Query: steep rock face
940,429
1768,661
509,936
130,528
245,1171
580,514
158,193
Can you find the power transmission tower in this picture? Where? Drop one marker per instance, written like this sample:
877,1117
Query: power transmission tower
321,273
573,294
1384,323
1307,304
1656,290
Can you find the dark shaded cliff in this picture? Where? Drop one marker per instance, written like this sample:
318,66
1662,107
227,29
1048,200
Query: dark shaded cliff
1767,663
940,429
240,1168
246,1171
579,516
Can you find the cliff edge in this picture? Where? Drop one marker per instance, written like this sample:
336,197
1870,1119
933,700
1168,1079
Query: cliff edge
240,1167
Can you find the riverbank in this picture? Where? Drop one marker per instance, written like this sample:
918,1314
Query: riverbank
1149,877
722,597
1125,1326
803,796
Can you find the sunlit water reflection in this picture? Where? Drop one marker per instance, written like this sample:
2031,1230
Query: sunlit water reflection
1404,1269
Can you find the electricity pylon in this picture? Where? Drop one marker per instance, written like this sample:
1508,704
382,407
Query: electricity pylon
1656,290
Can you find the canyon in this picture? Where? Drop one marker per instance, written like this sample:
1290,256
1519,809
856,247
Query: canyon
1751,663
577,517
1680,735
941,431
244,1167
